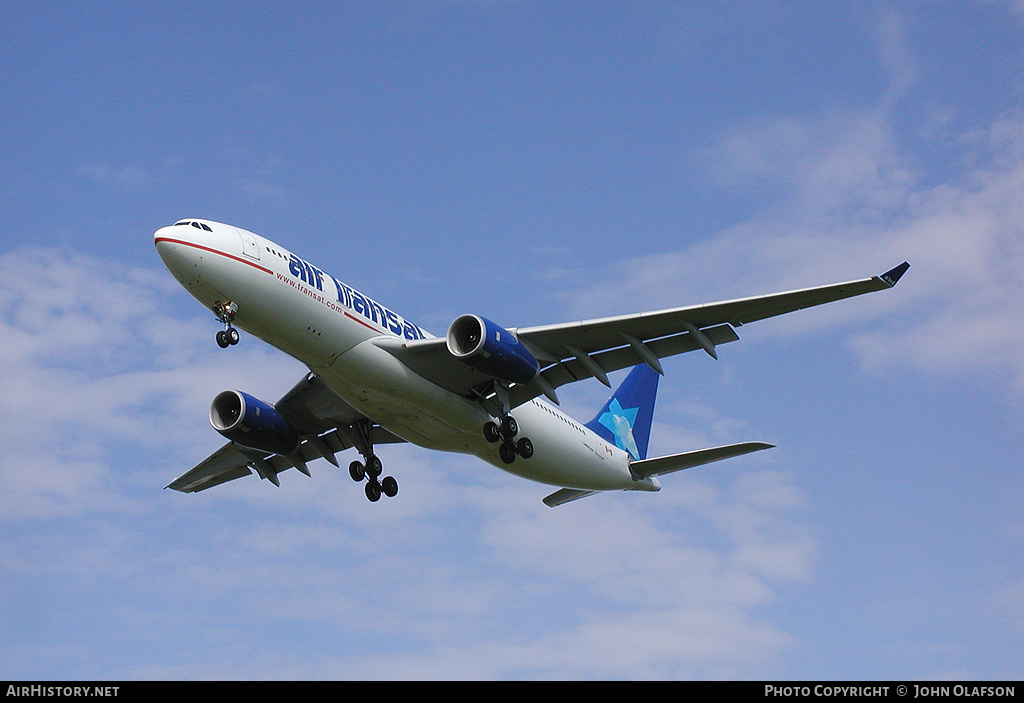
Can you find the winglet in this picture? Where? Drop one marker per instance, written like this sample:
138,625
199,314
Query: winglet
893,275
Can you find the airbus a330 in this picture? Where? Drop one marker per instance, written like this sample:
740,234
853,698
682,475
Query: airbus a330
375,377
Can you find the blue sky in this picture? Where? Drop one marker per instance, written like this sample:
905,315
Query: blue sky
533,162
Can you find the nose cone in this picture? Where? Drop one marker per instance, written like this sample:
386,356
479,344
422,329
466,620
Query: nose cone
161,235
177,246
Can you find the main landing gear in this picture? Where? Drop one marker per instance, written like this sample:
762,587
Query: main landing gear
373,468
371,471
225,312
505,431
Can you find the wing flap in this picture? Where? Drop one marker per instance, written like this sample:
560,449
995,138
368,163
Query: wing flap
573,369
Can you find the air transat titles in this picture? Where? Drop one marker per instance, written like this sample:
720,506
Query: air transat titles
354,300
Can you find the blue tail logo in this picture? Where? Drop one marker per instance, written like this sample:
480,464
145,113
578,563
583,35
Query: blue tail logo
626,418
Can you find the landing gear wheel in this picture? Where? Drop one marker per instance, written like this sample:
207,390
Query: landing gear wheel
509,427
524,447
387,486
225,313
373,491
491,432
507,452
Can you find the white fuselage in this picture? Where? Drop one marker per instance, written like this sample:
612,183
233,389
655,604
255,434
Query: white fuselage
332,329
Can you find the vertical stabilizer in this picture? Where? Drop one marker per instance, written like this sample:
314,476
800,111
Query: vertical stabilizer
626,418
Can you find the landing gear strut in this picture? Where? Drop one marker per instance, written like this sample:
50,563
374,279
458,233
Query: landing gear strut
225,312
373,468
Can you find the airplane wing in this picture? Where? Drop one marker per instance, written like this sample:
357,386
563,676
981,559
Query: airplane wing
593,348
322,418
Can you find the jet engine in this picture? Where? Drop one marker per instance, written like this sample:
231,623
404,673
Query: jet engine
252,423
491,349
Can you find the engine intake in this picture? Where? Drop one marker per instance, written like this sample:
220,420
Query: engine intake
491,349
252,423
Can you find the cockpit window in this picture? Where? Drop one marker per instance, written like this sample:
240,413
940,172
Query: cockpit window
197,225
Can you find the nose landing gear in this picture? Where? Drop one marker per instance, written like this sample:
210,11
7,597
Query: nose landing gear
225,312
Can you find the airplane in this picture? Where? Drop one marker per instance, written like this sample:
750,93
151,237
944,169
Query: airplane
482,389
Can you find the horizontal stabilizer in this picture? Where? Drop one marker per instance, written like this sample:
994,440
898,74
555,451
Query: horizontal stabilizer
662,465
566,495
677,462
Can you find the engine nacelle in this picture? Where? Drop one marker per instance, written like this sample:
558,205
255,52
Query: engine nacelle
252,423
491,349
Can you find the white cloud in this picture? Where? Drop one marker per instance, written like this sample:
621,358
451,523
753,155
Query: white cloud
93,363
1008,605
855,207
128,178
850,196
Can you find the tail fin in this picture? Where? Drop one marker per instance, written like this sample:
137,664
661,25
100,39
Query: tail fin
626,418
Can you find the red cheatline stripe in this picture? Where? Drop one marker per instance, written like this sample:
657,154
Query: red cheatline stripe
212,251
352,317
265,270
